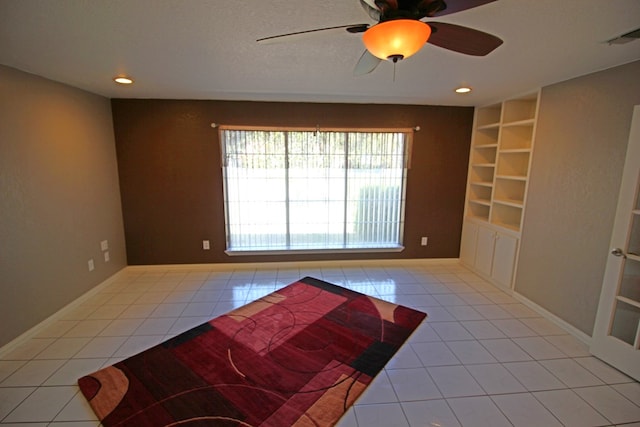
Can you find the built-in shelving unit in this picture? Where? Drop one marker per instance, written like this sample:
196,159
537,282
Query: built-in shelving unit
499,164
484,153
499,161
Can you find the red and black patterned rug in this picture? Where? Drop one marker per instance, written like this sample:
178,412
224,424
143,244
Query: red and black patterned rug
297,357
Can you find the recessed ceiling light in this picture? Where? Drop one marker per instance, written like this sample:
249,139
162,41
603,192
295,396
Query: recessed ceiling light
463,89
123,80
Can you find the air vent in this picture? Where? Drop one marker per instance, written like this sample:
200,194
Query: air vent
626,38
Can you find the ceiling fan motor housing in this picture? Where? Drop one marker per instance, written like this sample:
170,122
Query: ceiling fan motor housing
409,9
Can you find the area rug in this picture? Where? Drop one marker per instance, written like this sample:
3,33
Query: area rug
299,356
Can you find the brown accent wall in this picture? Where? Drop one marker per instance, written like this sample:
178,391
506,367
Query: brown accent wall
171,178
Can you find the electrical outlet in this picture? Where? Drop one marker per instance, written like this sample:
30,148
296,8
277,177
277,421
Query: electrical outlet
423,241
91,265
104,245
107,258
205,245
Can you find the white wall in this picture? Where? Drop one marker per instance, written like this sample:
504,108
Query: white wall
59,197
581,139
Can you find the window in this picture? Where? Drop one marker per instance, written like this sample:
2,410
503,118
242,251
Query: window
307,190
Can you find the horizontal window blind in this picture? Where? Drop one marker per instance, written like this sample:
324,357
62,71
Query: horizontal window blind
313,190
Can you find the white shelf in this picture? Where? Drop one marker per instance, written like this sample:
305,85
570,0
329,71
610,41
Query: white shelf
525,122
513,177
482,184
499,161
495,125
481,202
515,203
515,150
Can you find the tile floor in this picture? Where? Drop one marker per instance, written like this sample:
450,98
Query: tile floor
480,359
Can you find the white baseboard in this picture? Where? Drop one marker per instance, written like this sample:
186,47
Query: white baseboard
299,264
572,330
295,264
11,345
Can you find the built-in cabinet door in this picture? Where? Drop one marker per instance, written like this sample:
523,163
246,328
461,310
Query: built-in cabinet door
616,336
468,243
489,252
504,256
484,250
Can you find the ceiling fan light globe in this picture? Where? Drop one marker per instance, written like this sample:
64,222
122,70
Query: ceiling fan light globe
396,38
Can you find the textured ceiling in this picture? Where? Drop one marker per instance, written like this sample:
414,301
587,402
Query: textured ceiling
206,49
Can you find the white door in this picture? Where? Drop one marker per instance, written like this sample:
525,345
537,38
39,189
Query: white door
504,257
616,337
484,250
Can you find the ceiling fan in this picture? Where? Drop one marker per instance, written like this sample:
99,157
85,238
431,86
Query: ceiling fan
400,31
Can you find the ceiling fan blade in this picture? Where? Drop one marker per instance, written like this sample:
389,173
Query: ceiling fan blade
453,6
462,39
372,10
360,28
366,64
352,28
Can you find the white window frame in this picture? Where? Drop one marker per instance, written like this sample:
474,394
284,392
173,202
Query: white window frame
407,134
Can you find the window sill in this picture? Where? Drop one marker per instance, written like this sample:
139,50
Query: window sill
390,249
